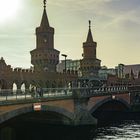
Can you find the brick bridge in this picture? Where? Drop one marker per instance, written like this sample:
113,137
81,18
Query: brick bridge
66,106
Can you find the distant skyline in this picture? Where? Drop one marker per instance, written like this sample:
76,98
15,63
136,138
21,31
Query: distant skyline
115,27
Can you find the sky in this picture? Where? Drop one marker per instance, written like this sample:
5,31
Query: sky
115,27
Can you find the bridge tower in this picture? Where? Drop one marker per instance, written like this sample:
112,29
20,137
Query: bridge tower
90,64
45,57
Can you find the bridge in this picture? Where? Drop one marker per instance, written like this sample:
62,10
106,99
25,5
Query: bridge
76,106
65,106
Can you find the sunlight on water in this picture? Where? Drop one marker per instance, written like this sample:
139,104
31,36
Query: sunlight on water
126,130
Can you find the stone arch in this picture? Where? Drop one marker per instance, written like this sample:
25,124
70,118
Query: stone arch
23,87
26,83
31,85
14,87
13,113
101,103
29,108
17,83
58,110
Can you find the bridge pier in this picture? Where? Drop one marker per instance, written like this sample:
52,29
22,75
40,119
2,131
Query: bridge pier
81,115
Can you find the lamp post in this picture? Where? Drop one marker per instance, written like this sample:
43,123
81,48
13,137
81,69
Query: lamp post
65,60
65,69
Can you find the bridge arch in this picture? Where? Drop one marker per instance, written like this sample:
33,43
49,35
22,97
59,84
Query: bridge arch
29,109
117,100
25,83
58,110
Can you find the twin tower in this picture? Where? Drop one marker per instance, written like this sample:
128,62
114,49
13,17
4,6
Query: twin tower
46,57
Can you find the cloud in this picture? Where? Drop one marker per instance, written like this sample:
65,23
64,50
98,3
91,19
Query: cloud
110,8
113,19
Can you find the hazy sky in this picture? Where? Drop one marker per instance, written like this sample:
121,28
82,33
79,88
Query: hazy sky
115,28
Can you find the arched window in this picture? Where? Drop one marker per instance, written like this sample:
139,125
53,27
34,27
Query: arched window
14,88
23,88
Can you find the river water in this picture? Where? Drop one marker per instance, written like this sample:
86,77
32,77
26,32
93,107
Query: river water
124,130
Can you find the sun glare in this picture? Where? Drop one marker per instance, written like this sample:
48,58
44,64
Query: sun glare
8,9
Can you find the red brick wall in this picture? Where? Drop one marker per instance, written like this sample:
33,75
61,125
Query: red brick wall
66,104
94,100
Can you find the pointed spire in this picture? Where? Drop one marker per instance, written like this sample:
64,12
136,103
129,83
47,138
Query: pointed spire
89,23
44,4
44,21
131,74
89,37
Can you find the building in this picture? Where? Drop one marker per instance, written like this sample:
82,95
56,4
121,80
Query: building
44,56
44,59
125,75
90,65
120,71
61,66
126,71
71,65
129,69
104,72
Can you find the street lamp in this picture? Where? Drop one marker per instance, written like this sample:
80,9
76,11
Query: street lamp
65,60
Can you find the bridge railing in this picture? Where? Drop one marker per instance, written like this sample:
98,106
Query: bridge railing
89,92
8,94
112,89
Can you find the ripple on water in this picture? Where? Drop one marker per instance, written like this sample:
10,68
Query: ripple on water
126,130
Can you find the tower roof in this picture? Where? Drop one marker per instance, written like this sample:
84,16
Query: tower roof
89,36
44,21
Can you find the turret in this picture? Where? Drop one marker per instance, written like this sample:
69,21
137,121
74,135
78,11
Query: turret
44,33
45,57
89,47
90,64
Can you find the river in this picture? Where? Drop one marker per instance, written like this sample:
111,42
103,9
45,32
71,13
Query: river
124,130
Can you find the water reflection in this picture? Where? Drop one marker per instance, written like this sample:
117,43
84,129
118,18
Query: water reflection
125,130
50,132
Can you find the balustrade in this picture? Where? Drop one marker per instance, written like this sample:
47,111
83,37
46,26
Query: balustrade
11,95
